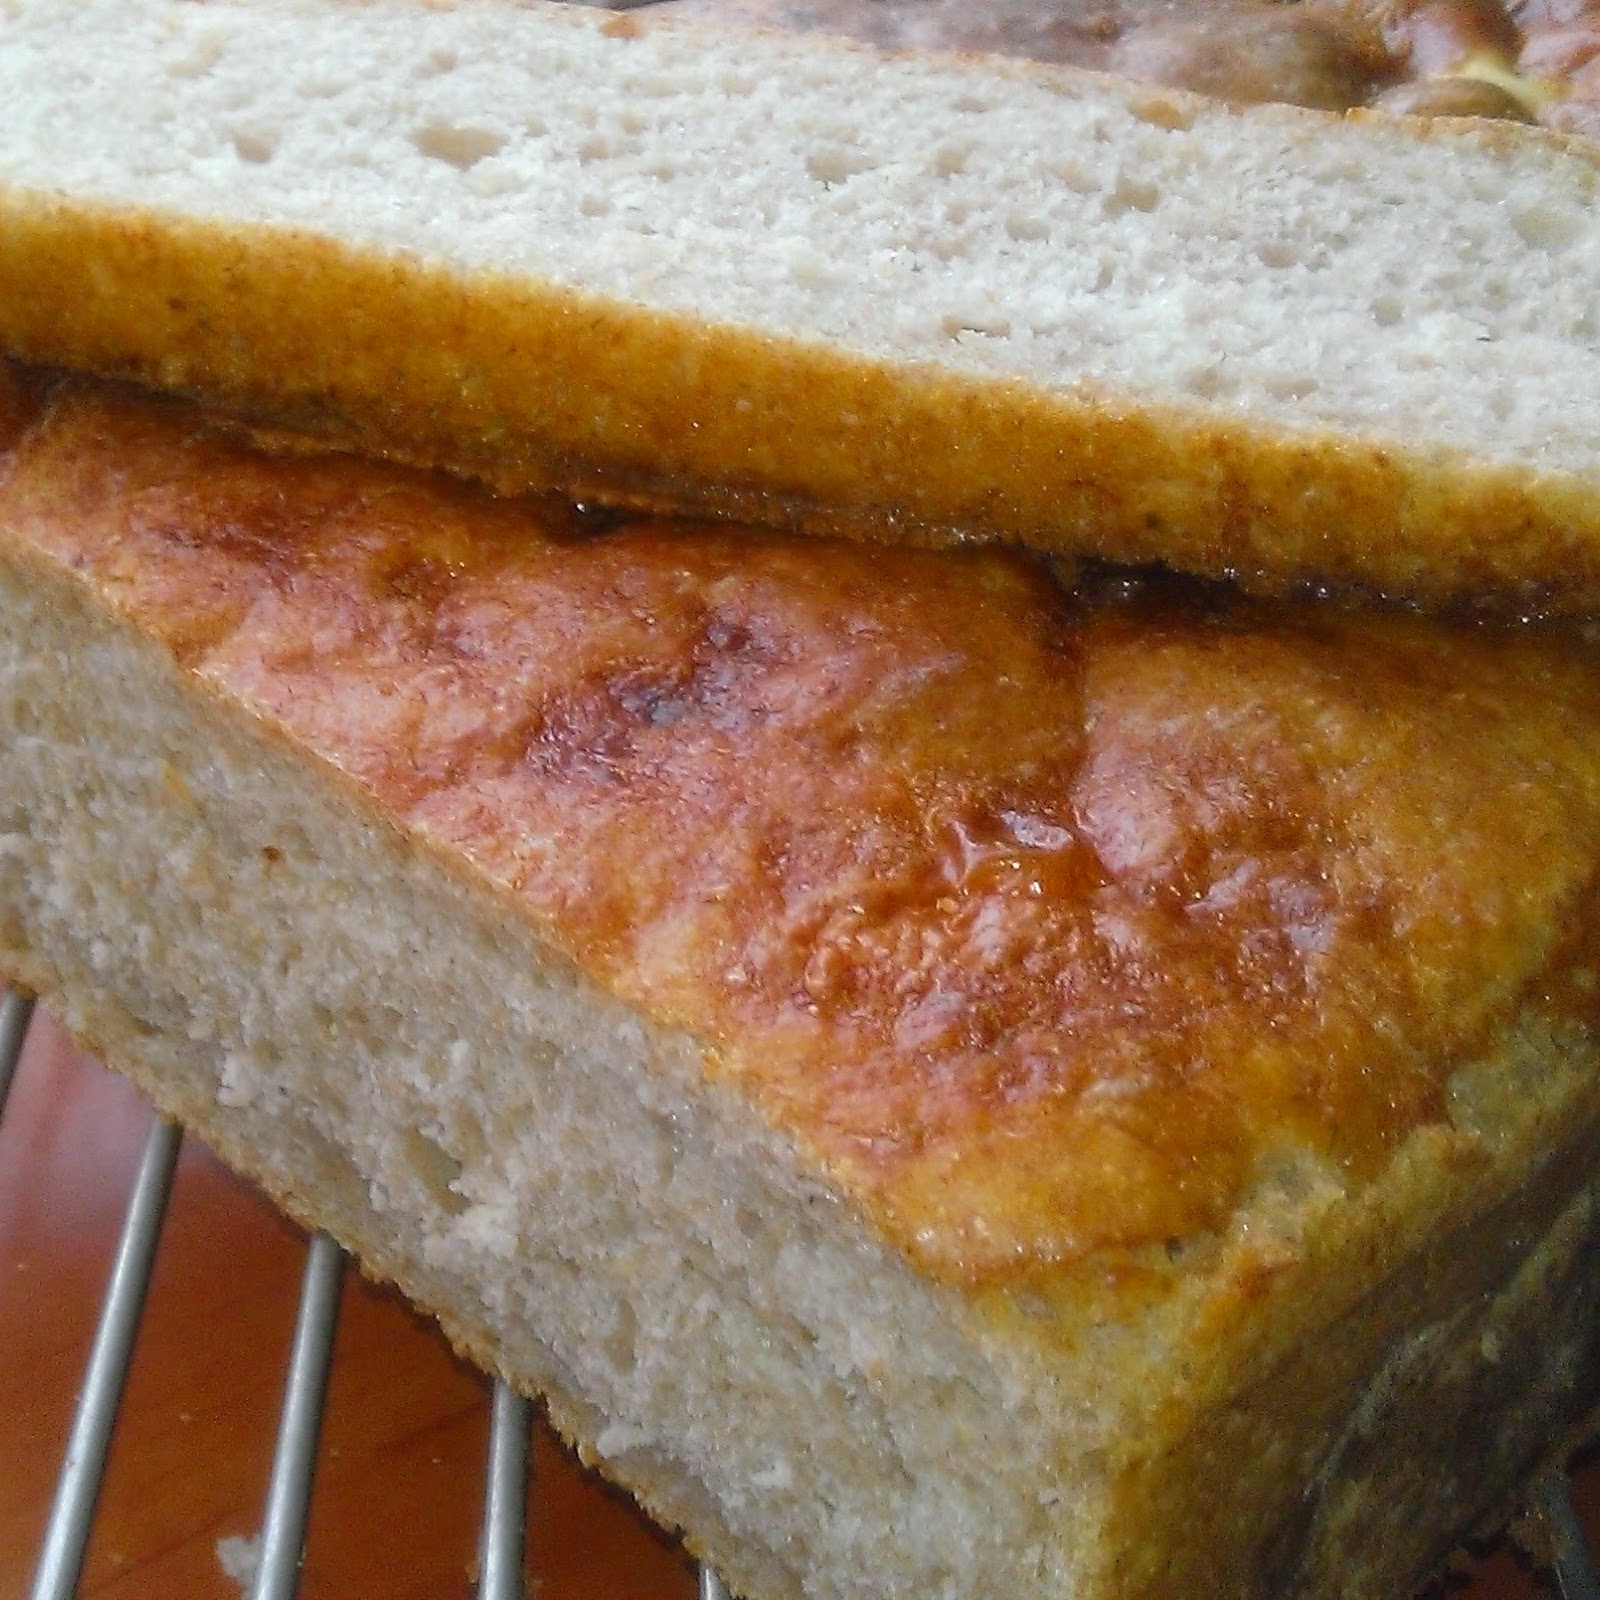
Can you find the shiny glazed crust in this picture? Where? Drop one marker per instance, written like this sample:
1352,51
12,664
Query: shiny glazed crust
465,856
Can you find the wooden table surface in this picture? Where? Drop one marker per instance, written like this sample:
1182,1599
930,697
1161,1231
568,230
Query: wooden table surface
399,1482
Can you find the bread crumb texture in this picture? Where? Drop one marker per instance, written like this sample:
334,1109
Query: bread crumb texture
799,277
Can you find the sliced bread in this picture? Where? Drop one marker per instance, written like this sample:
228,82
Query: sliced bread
915,297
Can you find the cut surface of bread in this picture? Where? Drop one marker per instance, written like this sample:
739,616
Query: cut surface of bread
949,1083
807,281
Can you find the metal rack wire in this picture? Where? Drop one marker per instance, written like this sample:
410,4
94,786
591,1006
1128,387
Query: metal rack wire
288,1497
1571,1569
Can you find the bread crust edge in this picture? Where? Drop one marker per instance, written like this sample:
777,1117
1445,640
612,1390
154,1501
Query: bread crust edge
533,386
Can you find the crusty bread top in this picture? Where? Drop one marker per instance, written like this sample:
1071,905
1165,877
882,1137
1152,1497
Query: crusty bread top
918,297
1046,922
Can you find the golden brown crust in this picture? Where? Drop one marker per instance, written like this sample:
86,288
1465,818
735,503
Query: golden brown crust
538,388
1045,925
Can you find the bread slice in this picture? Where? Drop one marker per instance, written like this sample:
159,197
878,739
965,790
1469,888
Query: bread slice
949,1084
794,278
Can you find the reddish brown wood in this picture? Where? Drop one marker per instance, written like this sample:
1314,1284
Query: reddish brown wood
398,1493
398,1490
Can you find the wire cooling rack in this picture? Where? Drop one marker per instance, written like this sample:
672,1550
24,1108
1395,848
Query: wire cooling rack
1567,1564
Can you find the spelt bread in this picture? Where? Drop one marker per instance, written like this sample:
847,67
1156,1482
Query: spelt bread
802,280
949,1083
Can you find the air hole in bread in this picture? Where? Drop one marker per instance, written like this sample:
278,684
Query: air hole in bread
950,160
456,145
1210,382
1132,194
1291,386
988,324
835,163
1544,228
762,1244
1497,292
252,146
1078,178
204,52
1024,227
601,146
439,62
948,249
622,1341
1277,253
143,1027
437,1170
1387,311
594,205
809,270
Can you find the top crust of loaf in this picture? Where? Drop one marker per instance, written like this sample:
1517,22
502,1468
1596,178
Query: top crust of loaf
799,281
615,741
1051,930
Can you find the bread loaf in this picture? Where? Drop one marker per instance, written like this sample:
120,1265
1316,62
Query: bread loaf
925,298
949,1081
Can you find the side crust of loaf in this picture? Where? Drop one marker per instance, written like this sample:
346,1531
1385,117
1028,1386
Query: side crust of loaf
537,387
375,1035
